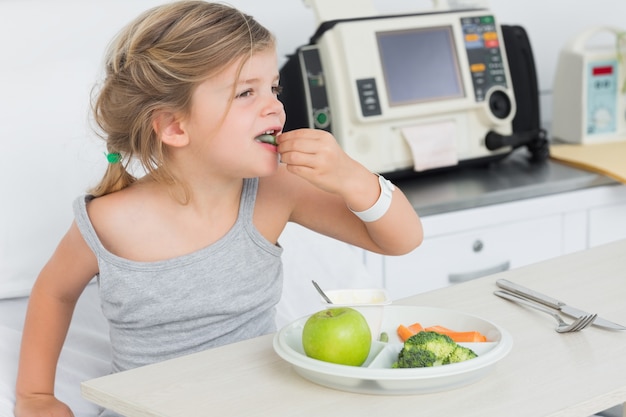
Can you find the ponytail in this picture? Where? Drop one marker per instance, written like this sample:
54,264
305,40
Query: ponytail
115,178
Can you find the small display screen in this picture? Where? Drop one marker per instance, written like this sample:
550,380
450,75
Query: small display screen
605,70
420,65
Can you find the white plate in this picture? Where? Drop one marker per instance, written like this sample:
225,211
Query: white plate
376,376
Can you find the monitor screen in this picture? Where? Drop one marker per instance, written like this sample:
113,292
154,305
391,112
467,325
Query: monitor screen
420,65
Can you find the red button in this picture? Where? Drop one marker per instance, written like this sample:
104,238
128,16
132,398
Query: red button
492,44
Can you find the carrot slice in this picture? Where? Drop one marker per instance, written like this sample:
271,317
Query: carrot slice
407,331
415,328
404,332
470,336
438,329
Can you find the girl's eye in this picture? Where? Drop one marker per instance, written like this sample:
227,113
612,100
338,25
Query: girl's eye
244,94
277,89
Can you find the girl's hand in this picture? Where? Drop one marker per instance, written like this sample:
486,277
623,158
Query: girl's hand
316,156
40,405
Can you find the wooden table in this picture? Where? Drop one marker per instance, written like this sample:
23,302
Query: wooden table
546,373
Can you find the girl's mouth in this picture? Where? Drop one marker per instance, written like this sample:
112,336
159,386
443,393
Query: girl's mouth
267,137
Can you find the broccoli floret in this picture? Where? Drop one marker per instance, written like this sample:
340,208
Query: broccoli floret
439,344
415,358
460,354
426,349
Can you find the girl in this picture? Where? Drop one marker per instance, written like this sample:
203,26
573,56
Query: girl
187,255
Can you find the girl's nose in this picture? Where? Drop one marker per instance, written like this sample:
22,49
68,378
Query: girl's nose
274,106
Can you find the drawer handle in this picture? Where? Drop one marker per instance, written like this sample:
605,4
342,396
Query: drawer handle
468,276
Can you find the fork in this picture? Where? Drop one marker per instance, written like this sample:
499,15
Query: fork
562,327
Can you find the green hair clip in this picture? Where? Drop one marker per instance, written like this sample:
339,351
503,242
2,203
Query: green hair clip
113,157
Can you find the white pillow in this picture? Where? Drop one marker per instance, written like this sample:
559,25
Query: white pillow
86,353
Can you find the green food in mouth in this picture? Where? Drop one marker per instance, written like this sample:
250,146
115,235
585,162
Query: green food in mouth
267,139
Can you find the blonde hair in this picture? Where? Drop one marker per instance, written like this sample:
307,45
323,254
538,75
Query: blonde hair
155,63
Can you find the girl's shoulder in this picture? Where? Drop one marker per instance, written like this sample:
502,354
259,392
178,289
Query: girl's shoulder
120,219
111,206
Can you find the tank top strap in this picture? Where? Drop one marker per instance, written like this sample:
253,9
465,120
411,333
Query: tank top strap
84,224
248,199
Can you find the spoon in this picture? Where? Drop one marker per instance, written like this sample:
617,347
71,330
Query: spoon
319,290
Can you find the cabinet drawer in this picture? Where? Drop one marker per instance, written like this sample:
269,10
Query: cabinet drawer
607,224
445,260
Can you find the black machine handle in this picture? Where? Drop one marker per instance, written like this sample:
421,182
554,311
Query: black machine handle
494,141
536,141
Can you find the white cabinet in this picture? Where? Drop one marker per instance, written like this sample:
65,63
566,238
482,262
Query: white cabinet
311,256
466,244
607,224
445,260
458,246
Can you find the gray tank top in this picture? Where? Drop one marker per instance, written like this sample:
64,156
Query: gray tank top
220,294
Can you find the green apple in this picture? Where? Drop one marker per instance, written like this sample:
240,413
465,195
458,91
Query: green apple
339,335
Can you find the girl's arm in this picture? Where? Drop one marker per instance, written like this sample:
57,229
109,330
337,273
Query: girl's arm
49,313
333,184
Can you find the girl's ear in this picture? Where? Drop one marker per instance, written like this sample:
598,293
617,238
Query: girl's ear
169,129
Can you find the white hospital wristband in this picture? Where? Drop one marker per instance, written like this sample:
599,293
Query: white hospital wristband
381,205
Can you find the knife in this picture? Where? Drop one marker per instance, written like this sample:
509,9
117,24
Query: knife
554,303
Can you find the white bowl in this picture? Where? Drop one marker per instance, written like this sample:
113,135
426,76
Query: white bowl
369,302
